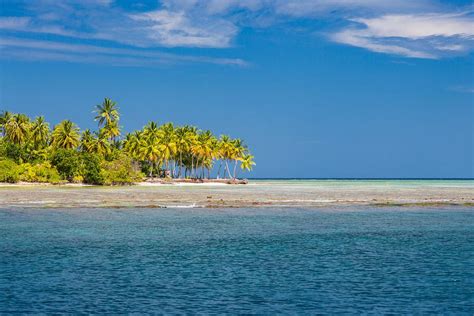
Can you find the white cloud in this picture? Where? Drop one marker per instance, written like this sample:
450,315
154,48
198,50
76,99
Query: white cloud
177,29
422,36
50,50
419,26
398,27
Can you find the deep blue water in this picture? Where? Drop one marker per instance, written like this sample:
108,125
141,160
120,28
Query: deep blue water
237,261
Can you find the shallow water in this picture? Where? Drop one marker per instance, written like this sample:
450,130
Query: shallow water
263,193
237,260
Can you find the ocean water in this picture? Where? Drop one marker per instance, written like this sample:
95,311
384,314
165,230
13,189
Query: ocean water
258,261
392,183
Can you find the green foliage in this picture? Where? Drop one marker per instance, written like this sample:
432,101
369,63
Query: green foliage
68,162
42,172
66,135
121,171
104,157
13,151
92,168
9,171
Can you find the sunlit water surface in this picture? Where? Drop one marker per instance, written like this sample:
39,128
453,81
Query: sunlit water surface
237,261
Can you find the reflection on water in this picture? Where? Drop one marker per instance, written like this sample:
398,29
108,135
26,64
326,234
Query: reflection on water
237,261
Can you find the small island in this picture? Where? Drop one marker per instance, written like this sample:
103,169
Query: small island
31,152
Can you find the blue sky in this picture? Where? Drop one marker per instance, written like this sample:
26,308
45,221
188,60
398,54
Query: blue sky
338,88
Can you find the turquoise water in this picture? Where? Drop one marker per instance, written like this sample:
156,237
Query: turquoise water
237,261
464,183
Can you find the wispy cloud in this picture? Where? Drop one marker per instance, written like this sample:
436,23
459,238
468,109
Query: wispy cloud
420,36
49,50
178,29
463,89
421,29
97,20
14,23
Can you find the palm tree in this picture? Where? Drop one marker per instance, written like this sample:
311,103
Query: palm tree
214,154
150,152
167,143
238,152
39,132
191,140
17,128
227,151
247,162
205,150
66,135
87,141
107,112
182,145
151,131
132,144
4,117
101,144
111,130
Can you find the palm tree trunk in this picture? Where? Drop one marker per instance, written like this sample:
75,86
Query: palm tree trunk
180,163
235,167
228,170
219,170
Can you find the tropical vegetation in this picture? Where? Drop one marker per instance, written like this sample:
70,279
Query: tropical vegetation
31,151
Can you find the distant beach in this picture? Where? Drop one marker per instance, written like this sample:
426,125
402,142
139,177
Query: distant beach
258,193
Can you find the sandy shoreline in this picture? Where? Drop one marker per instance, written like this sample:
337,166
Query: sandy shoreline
220,195
148,183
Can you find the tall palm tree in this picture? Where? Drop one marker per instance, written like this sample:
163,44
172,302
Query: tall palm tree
17,128
111,130
39,132
238,152
167,143
227,151
107,112
149,151
190,154
182,146
214,154
66,135
205,150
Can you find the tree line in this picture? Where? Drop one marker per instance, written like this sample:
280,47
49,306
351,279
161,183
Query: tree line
156,150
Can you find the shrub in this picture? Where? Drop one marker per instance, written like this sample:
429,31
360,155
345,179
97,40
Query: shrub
120,171
14,152
42,172
68,163
92,168
77,179
9,171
